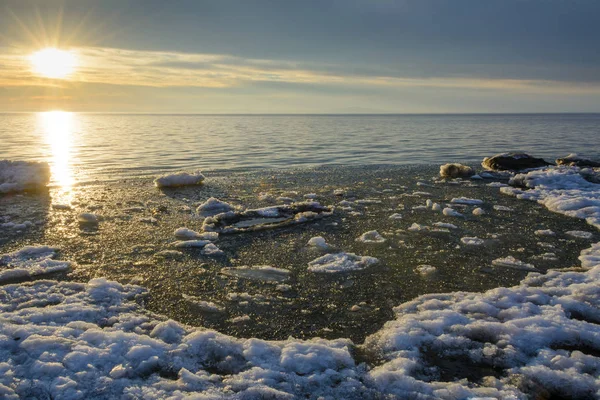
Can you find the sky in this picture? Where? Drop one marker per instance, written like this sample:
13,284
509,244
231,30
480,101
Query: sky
325,56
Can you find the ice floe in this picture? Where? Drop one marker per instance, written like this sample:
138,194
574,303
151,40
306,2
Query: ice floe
478,211
318,242
341,262
265,218
18,176
179,179
466,200
511,262
371,237
30,261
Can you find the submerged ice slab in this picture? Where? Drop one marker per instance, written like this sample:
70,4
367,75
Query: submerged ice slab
265,218
30,261
264,273
17,176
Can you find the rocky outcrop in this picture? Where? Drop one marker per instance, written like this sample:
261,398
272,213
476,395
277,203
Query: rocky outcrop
513,162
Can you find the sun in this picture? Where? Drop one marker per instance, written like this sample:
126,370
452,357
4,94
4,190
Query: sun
53,63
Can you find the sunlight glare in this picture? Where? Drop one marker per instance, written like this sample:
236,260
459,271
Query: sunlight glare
53,63
57,127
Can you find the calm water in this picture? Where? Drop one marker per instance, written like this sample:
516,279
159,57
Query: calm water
85,147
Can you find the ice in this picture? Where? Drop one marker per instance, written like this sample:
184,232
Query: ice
436,207
183,244
30,261
450,212
472,241
371,237
169,254
426,269
340,262
179,179
496,184
318,242
93,340
18,176
206,306
544,232
478,211
212,250
511,262
395,216
466,200
502,208
188,234
455,170
264,273
417,227
445,225
213,206
580,234
88,218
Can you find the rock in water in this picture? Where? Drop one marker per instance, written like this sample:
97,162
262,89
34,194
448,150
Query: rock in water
455,170
573,160
513,162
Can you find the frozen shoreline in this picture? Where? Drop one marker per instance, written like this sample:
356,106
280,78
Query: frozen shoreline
542,334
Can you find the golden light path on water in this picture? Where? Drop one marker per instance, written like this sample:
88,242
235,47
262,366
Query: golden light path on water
58,130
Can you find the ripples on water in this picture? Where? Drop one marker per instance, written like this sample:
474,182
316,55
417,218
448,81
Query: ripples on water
84,147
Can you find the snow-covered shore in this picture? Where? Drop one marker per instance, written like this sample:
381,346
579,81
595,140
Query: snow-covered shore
542,336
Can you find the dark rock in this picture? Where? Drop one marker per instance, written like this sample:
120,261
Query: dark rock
574,160
513,162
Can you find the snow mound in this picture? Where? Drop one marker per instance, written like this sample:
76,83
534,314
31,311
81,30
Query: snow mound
213,206
17,176
179,179
30,261
341,262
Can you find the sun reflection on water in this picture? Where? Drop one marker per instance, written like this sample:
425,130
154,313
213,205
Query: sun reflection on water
58,127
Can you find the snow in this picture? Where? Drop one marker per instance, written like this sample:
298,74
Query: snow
213,206
30,261
341,262
179,179
511,262
93,340
472,241
371,237
18,176
318,242
466,200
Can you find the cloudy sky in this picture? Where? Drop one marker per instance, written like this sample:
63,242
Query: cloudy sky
321,56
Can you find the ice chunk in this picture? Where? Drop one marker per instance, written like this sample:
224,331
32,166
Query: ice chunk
502,208
426,270
395,216
30,261
450,212
182,244
371,237
188,234
213,206
445,225
466,200
206,306
179,179
417,227
580,234
472,241
511,262
212,250
478,211
545,232
17,176
341,262
319,242
87,218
